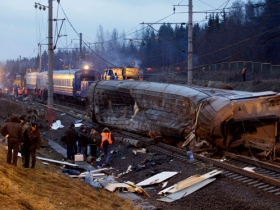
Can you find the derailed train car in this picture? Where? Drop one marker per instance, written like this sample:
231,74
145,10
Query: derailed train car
224,118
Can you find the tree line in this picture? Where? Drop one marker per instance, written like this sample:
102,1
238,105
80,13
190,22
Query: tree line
246,31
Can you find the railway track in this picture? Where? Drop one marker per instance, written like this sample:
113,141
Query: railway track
250,171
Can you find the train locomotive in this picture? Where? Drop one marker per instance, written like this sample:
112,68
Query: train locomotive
224,119
67,84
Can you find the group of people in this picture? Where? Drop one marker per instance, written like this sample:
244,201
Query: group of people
85,143
26,139
21,136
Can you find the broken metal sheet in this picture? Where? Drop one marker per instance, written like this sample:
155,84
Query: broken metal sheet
91,175
125,187
186,191
56,161
189,181
164,184
83,174
251,95
158,178
122,187
129,169
138,188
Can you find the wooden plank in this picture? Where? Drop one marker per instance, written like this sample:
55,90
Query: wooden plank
158,178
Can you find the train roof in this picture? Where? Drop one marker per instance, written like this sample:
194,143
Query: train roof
67,71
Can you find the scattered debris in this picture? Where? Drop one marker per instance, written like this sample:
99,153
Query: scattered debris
56,161
251,169
187,186
164,184
125,187
158,178
143,150
186,191
57,124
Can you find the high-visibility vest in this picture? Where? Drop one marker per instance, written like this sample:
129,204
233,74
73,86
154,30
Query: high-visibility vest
106,136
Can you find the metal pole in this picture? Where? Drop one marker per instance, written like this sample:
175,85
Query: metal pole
21,73
40,57
80,60
50,112
190,46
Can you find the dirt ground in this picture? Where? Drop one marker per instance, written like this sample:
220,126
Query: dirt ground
223,193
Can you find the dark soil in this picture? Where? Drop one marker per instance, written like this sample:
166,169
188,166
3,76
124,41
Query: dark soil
223,193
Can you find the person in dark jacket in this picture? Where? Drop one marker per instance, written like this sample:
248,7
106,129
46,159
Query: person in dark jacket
23,147
107,139
82,141
71,138
32,140
93,141
13,131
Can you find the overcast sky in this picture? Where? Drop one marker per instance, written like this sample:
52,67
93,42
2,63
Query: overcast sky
23,26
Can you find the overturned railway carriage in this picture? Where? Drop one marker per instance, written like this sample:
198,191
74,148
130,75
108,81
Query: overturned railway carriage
66,83
224,118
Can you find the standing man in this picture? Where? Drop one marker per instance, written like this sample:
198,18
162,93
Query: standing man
82,141
33,141
244,73
71,138
23,144
94,139
107,139
13,131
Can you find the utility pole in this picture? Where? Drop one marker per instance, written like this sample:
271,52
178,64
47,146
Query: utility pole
190,46
40,57
21,73
50,111
80,58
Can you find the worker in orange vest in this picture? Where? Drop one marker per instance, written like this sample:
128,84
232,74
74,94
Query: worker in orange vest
107,139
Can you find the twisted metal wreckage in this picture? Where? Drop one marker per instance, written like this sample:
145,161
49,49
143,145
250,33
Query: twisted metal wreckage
222,118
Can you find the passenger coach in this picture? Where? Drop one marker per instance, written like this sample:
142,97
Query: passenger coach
66,83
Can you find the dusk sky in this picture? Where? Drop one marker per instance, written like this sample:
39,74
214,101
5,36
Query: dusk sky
23,26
